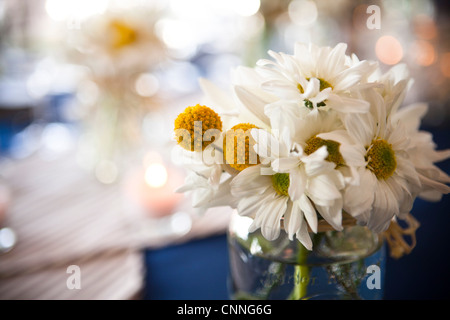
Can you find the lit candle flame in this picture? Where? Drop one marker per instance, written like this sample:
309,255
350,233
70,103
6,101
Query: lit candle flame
156,175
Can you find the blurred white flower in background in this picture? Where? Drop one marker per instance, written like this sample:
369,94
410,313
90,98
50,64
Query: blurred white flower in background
119,41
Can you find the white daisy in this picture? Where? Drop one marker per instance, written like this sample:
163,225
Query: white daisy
208,187
312,131
422,152
119,41
395,84
313,78
293,188
369,77
388,179
316,77
262,198
325,128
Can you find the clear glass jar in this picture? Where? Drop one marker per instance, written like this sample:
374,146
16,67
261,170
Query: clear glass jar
342,265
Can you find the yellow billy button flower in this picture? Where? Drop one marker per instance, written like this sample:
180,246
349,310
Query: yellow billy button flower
381,159
238,147
334,155
195,127
280,182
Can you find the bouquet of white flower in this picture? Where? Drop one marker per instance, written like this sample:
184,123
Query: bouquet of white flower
311,138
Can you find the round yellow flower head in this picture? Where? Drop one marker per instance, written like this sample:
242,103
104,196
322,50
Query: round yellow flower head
240,154
194,124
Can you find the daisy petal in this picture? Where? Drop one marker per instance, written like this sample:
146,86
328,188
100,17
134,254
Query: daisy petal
323,187
303,236
248,206
405,169
347,105
411,116
385,207
333,59
267,146
430,195
249,179
340,136
244,75
312,87
359,129
314,168
272,213
282,115
285,164
347,79
359,199
254,103
332,214
440,187
317,156
297,184
309,212
215,95
292,219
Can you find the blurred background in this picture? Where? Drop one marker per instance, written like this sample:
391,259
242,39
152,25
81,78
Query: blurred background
88,94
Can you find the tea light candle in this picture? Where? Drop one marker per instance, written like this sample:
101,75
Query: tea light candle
153,188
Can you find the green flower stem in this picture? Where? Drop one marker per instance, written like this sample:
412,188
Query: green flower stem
301,283
301,275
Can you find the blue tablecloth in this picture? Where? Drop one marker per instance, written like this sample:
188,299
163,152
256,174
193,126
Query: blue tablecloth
196,270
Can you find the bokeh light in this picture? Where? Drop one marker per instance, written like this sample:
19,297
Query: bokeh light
445,64
60,10
423,53
303,12
106,171
246,8
146,85
389,50
424,27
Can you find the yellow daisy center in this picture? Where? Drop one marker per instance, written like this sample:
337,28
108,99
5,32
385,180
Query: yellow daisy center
381,159
240,154
323,85
196,121
122,34
334,155
280,182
